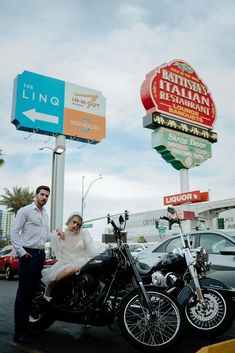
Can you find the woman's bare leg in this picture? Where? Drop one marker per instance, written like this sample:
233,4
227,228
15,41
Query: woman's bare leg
68,271
48,291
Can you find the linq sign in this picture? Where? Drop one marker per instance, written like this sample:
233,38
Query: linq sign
176,90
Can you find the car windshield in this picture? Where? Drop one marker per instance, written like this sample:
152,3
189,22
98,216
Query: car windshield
5,251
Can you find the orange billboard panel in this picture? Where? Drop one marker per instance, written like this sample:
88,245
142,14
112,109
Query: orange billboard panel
83,125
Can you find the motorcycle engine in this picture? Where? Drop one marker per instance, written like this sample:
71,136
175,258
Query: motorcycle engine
158,279
88,282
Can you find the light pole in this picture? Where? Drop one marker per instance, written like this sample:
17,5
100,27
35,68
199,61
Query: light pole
57,183
84,194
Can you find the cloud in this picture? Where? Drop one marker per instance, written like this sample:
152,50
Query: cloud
111,46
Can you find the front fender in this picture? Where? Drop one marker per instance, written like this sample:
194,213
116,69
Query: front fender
206,282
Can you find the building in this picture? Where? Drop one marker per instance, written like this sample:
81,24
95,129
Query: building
7,220
204,215
1,215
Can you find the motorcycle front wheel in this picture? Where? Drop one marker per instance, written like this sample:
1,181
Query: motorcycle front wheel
211,318
150,333
39,318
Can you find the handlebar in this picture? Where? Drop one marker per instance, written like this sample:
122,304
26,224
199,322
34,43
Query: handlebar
118,230
171,220
115,227
166,218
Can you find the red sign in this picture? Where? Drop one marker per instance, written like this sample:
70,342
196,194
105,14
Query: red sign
175,89
191,196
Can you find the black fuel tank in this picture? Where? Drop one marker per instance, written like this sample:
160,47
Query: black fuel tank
172,262
101,264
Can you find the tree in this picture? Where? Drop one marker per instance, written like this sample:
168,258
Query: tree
16,199
141,239
1,159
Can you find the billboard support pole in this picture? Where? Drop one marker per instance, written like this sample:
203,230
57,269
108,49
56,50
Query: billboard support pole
184,187
57,184
184,180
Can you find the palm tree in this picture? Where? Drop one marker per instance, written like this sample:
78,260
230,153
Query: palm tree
16,199
1,159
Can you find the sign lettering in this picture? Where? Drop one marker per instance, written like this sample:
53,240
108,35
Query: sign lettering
176,90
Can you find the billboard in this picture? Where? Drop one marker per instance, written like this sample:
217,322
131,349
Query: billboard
179,149
50,106
182,113
176,90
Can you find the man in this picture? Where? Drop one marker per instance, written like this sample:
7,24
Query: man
29,234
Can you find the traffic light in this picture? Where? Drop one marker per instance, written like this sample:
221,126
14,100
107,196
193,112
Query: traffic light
221,223
108,218
156,223
126,215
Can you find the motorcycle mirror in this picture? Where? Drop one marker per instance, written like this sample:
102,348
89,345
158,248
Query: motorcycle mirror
121,219
171,210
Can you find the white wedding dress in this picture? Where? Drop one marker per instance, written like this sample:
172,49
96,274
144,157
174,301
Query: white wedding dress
73,250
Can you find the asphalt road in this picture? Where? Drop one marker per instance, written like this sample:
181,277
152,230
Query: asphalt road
70,338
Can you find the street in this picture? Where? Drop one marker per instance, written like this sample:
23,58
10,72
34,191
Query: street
70,338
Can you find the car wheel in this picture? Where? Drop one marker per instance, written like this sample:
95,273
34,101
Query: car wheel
8,272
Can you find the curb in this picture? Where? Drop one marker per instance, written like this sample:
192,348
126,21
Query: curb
225,347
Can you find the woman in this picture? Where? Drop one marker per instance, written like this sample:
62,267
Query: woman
72,251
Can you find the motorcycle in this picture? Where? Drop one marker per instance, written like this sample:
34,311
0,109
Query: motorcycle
149,318
207,302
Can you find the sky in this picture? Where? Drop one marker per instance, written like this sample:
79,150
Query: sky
110,46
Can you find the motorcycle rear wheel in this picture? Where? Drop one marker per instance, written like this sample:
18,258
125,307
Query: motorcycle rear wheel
146,333
39,318
214,318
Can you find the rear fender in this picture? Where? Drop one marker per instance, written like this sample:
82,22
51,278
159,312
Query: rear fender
207,282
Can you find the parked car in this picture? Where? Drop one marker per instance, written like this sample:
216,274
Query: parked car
135,248
9,262
217,242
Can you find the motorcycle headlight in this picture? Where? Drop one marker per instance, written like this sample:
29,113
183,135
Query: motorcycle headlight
201,257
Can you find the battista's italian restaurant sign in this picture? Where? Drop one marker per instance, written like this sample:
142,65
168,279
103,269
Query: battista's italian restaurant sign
181,112
176,90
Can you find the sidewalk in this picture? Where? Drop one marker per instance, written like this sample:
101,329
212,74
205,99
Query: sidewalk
222,347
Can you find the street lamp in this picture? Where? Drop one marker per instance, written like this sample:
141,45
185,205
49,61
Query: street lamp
59,149
84,194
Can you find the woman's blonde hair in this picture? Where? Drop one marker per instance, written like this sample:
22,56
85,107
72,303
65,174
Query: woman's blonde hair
73,215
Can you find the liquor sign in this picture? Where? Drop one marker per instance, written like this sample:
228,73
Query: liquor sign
176,90
179,149
50,106
186,197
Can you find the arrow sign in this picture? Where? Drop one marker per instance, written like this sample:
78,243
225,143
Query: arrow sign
33,115
46,105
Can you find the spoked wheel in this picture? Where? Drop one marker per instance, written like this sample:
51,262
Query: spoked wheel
39,318
150,333
211,318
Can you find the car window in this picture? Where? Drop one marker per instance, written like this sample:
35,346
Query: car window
169,245
5,252
213,243
136,247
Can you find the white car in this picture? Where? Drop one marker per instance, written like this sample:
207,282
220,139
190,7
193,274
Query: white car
136,248
216,242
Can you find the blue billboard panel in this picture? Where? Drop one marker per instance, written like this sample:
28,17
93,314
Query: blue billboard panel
38,103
